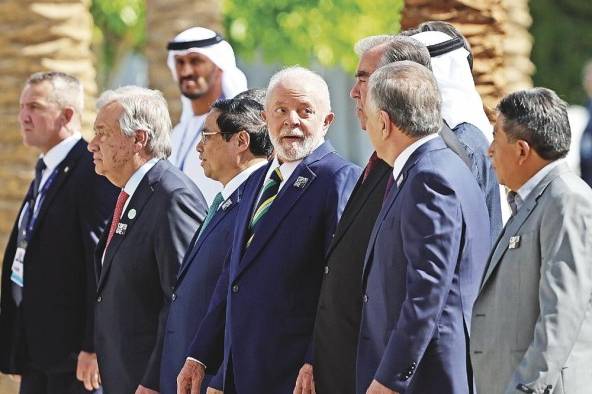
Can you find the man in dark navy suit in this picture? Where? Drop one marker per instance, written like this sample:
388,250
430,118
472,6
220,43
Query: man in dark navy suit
428,249
48,279
157,212
234,144
260,322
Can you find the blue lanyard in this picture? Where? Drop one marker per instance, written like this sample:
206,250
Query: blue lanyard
34,207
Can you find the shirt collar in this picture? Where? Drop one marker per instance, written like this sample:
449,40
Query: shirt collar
58,153
286,169
525,190
239,178
401,160
132,183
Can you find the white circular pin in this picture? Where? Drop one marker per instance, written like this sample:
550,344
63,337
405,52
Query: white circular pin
131,214
66,169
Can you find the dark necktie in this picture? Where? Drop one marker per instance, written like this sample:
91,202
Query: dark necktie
513,200
121,199
211,212
39,167
372,162
270,192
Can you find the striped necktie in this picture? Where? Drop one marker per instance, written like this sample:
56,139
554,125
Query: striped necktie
270,192
211,212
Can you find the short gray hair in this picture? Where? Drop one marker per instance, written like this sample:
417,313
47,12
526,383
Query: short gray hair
367,43
67,90
304,75
400,48
408,92
143,109
539,117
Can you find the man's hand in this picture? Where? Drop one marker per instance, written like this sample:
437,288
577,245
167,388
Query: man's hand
213,391
145,390
305,381
377,388
87,370
190,377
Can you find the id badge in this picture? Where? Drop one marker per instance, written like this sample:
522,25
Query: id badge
18,272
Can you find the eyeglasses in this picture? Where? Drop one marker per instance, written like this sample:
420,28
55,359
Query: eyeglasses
205,135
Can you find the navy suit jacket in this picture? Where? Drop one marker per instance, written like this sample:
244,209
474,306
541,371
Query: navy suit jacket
196,281
425,259
262,313
55,320
137,276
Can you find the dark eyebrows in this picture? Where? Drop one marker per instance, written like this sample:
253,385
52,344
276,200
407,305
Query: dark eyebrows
362,74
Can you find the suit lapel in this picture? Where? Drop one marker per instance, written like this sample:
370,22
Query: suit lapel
434,144
64,169
225,208
287,197
356,203
516,222
140,197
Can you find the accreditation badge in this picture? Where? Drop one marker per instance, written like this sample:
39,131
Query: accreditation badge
18,272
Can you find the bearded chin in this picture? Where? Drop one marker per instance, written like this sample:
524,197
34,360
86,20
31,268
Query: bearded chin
294,152
193,96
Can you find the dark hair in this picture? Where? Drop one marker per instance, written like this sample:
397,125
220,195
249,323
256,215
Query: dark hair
253,94
240,114
539,117
449,29
400,48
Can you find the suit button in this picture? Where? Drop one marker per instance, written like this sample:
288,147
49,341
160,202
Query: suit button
365,298
235,289
174,297
326,269
99,298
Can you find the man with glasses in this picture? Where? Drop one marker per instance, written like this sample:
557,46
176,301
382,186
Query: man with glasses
234,144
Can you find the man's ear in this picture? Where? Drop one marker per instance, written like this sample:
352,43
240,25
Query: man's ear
243,139
385,125
524,151
329,119
140,140
264,115
68,114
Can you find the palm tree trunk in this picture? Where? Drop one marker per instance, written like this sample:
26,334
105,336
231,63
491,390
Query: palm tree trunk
167,18
498,33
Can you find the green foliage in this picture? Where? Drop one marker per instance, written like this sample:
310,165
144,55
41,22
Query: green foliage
307,31
562,45
120,26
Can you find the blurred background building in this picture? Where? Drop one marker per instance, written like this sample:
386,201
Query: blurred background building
108,43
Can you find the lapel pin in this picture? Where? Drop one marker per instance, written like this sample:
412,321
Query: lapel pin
66,169
514,242
131,214
121,227
301,182
226,204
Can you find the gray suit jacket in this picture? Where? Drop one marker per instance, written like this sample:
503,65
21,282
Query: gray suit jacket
532,320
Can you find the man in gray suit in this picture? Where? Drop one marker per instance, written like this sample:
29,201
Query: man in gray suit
532,321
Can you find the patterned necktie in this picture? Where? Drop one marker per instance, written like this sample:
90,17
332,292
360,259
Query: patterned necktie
211,212
513,200
370,166
270,191
116,215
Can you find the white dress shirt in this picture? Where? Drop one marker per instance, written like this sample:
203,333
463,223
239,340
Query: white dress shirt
132,183
401,160
527,188
239,178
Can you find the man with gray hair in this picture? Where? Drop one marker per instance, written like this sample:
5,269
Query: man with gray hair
338,316
258,329
428,247
48,281
532,321
157,212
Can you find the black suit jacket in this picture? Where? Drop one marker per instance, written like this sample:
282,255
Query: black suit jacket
340,302
55,319
137,276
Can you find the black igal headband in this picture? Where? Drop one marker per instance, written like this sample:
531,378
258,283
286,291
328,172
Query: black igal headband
445,47
179,46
